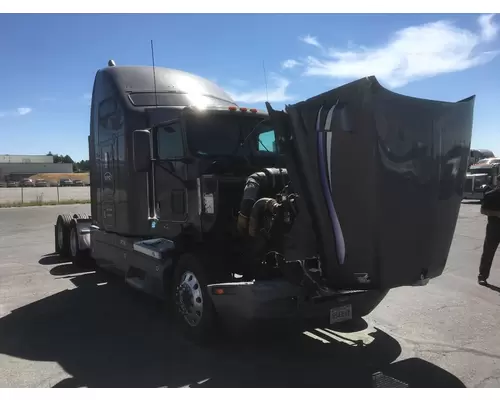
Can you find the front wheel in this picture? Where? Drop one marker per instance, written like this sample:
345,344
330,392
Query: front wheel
193,307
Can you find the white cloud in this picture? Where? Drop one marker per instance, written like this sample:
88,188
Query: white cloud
276,92
411,54
17,112
289,64
312,40
24,110
489,29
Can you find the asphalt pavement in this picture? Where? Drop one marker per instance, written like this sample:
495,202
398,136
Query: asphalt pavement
61,326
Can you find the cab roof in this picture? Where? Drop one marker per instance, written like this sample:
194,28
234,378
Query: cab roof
140,79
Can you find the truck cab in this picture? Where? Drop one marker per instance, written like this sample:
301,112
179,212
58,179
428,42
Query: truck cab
478,155
480,178
229,212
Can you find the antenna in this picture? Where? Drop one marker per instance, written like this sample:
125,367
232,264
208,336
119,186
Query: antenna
265,79
154,73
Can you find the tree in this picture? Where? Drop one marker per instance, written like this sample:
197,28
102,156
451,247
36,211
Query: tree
80,166
59,158
67,159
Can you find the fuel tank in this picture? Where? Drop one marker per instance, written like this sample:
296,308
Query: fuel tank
380,178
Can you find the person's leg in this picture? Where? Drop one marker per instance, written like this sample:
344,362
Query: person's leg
491,242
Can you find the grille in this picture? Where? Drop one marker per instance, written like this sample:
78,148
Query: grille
479,181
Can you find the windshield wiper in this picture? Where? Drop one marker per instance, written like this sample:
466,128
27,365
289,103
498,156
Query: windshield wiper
242,143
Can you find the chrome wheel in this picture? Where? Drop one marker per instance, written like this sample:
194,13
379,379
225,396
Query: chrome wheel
189,298
73,244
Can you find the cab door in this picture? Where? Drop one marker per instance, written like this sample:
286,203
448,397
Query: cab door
170,174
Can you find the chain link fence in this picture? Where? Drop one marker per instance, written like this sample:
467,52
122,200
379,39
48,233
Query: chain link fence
24,196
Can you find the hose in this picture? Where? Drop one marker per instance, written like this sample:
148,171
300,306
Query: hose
262,205
254,185
250,195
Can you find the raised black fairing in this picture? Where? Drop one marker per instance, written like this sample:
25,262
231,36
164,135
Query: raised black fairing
379,177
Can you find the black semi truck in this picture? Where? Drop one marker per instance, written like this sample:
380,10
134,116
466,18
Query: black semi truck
230,213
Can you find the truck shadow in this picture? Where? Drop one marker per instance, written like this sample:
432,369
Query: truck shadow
51,259
104,334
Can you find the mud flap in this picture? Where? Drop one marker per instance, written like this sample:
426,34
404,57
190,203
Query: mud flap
380,179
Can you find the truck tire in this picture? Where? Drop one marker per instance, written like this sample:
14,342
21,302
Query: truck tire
78,256
81,216
192,306
62,234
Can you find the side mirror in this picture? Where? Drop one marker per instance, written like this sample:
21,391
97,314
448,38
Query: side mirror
142,150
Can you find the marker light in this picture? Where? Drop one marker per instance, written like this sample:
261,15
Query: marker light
232,108
243,109
253,110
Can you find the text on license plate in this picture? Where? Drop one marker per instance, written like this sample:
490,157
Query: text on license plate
339,314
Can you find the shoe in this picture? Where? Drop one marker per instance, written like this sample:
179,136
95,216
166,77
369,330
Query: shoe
482,281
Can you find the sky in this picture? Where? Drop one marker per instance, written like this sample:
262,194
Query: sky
48,63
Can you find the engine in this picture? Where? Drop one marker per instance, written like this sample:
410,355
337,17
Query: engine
268,211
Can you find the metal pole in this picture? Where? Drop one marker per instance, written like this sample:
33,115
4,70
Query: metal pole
57,193
22,195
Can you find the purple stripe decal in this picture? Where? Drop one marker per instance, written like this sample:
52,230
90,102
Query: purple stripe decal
337,229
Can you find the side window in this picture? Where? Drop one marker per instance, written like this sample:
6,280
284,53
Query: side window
110,116
169,140
267,142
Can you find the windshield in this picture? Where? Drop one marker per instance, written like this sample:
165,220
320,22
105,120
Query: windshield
210,135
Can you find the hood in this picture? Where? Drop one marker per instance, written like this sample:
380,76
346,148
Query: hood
380,177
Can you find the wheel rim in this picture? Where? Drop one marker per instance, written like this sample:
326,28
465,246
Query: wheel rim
60,237
73,242
190,298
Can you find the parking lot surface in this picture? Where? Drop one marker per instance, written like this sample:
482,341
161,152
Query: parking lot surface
66,327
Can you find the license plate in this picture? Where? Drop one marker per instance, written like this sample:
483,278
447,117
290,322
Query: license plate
339,314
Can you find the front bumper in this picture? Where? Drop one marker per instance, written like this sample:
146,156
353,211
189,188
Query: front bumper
281,300
473,196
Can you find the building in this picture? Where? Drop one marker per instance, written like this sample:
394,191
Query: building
16,167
